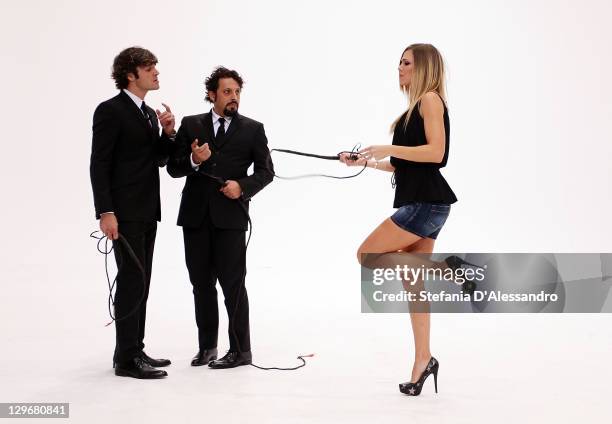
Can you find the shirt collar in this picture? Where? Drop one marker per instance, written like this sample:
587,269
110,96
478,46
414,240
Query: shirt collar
216,117
134,98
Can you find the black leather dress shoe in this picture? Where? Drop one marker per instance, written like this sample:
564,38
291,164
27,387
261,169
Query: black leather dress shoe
138,368
204,357
155,362
231,360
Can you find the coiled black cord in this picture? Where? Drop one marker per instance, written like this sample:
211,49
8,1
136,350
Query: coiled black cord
111,286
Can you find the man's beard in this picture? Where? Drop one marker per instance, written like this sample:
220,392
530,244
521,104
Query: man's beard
230,112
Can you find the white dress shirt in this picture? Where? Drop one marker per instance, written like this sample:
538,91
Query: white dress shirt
134,98
216,125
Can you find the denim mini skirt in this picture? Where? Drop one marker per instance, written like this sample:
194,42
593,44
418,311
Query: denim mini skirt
422,218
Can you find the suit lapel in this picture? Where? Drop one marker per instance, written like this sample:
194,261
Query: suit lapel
208,133
154,128
231,131
233,127
134,110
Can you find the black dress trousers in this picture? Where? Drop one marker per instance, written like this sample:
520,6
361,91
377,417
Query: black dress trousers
132,289
212,253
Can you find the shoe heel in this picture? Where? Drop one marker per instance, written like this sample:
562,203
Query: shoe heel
121,373
436,380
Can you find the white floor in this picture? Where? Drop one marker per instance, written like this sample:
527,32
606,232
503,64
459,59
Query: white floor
504,368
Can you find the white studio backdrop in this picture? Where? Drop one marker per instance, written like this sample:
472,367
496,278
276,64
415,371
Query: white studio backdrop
529,102
528,99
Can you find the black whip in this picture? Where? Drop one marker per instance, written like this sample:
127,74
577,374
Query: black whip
353,155
111,286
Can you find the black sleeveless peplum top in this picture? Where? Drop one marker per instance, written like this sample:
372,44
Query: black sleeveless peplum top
419,181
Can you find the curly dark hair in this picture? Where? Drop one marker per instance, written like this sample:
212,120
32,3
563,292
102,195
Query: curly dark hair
212,82
128,62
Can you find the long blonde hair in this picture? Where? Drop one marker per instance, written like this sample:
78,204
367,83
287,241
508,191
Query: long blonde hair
427,75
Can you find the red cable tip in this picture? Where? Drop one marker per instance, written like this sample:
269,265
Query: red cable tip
310,355
106,325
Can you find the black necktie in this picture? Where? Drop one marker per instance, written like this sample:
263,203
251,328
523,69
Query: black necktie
145,112
221,131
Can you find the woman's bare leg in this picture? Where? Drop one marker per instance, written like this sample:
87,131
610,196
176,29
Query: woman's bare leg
388,237
421,321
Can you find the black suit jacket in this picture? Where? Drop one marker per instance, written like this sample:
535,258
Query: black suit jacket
126,154
245,143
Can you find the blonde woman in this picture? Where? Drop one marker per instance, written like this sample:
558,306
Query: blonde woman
422,195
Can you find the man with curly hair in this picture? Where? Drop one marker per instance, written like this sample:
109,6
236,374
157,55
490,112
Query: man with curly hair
127,151
214,151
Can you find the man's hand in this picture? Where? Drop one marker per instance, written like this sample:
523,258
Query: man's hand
201,153
109,225
166,119
231,189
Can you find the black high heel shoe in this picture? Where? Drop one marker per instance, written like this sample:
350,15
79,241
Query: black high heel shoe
454,263
414,389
